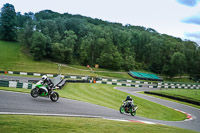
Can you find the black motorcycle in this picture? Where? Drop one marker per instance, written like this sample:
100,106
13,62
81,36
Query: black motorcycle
125,108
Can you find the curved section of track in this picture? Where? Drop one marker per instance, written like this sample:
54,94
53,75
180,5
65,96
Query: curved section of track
193,124
24,103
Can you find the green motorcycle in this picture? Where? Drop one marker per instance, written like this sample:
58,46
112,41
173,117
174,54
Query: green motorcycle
126,109
41,90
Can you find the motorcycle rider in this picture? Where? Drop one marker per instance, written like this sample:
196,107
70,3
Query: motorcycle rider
129,102
47,81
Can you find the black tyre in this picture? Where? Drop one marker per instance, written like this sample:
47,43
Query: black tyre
35,92
122,110
133,113
54,96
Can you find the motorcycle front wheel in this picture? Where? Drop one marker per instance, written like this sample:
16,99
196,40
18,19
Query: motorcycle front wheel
35,92
54,96
133,113
122,110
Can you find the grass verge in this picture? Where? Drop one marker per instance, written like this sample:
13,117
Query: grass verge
189,104
41,124
179,80
192,105
115,75
105,95
190,94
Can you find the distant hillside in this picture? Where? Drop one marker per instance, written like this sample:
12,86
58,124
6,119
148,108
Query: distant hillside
12,59
76,39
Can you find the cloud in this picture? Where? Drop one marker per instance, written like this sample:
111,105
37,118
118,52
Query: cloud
193,36
188,2
192,20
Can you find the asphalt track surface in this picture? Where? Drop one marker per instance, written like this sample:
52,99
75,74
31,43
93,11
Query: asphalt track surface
17,78
23,103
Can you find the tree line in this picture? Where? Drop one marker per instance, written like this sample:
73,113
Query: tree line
76,39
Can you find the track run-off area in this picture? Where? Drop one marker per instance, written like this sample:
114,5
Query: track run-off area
24,104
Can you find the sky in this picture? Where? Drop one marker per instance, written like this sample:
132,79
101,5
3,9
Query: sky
178,18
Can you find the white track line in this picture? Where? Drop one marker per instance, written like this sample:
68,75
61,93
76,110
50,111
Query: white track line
69,115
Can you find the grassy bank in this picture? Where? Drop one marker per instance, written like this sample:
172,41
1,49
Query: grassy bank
184,80
41,124
191,94
189,104
13,59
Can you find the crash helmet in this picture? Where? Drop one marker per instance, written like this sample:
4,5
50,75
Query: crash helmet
44,77
128,97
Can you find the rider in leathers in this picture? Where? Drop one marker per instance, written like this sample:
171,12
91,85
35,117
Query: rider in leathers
48,82
129,102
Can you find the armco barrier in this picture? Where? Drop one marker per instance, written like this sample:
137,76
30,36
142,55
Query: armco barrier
77,77
77,81
116,81
178,84
123,80
119,84
174,87
15,84
40,74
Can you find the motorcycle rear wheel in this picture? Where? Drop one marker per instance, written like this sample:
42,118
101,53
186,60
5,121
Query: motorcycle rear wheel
34,92
54,96
122,110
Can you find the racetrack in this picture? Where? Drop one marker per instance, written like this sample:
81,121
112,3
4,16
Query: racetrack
193,124
14,102
24,103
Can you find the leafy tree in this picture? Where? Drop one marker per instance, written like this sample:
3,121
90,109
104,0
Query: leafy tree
48,27
69,41
39,46
178,63
23,20
74,38
168,71
58,52
8,23
25,35
110,58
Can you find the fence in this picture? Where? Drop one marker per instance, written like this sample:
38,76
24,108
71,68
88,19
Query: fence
176,87
14,84
115,81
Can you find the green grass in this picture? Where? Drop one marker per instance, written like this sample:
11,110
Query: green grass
49,124
189,104
15,89
115,75
13,59
192,94
9,54
182,80
105,95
